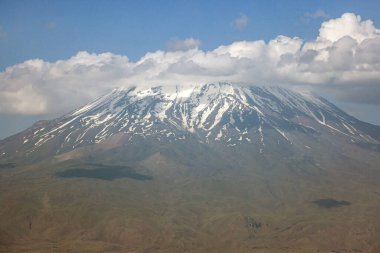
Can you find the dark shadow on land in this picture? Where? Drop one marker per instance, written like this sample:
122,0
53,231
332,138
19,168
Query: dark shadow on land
103,172
330,203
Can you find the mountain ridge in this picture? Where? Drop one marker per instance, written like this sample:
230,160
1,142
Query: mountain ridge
221,112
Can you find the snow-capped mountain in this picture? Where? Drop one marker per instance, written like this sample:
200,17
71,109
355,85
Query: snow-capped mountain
214,114
184,166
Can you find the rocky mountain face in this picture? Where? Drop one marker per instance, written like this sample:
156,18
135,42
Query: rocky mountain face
263,119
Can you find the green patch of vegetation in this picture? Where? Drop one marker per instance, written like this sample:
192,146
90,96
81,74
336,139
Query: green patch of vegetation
330,203
7,165
104,172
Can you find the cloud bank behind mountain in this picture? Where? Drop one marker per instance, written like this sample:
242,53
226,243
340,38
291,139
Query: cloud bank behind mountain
343,60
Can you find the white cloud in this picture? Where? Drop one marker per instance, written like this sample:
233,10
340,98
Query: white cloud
348,25
50,25
241,22
343,59
183,45
317,14
3,34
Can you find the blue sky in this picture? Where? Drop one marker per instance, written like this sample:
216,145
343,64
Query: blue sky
53,30
58,30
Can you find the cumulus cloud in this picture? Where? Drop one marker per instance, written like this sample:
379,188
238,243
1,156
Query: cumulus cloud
241,22
38,87
183,45
348,25
344,59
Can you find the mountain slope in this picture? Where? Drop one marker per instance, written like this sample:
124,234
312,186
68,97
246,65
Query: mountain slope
213,168
217,114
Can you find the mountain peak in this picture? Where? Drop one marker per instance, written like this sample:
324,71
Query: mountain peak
215,113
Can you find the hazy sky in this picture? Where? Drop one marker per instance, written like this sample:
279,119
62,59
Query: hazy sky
57,55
